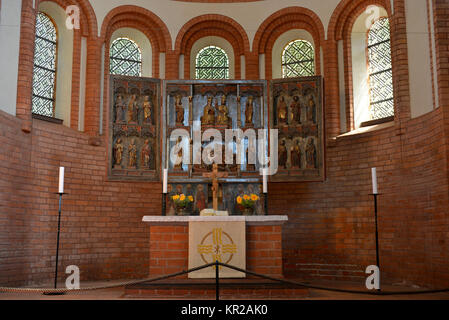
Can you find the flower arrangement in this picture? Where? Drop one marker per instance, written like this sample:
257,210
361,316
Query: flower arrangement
182,201
247,201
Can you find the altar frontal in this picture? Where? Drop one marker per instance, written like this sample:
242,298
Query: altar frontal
222,241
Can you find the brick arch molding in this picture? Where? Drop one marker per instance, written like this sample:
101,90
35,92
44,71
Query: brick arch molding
340,28
88,28
282,21
212,25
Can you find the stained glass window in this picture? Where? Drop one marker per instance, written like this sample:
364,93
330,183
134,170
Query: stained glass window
212,63
44,73
380,70
298,59
125,58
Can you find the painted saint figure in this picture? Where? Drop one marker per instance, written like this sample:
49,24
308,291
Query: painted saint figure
200,198
282,111
178,163
118,152
249,111
119,108
311,154
311,111
283,155
132,154
179,110
132,109
223,111
296,155
147,108
296,109
146,155
208,117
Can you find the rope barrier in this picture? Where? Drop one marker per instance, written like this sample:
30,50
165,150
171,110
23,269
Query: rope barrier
288,282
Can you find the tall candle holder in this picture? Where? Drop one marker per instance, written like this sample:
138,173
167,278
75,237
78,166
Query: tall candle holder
375,195
57,246
164,191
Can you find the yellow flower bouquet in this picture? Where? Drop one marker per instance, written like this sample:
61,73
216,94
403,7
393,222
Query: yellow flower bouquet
181,200
247,201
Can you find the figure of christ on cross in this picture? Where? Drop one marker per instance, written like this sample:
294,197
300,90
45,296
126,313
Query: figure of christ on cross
215,175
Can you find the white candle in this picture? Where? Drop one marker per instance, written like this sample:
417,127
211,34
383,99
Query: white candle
374,178
61,179
265,185
165,178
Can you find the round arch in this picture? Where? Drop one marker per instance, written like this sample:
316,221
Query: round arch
282,21
207,26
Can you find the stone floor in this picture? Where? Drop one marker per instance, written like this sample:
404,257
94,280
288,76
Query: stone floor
117,293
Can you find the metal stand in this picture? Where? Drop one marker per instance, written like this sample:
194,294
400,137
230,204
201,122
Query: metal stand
57,247
375,195
217,281
265,199
164,204
377,232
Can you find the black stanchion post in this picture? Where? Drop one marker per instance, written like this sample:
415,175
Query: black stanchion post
265,198
217,281
164,204
57,246
377,232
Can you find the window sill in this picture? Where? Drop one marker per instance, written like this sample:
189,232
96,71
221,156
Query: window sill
367,129
46,118
377,121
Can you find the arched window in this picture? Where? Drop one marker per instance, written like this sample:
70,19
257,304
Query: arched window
125,58
212,63
298,59
44,72
380,70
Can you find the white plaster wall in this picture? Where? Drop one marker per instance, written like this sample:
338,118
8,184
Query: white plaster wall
341,83
418,42
249,15
64,63
9,53
144,44
279,46
212,41
83,71
360,76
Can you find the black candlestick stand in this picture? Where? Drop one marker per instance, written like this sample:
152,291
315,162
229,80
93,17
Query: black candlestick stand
377,232
164,204
265,199
375,195
57,246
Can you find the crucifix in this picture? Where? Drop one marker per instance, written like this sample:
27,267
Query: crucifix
214,175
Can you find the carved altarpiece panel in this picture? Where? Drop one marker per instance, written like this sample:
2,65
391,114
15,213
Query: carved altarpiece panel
134,126
297,112
198,105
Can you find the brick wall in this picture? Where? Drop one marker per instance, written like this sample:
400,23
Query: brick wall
330,234
169,250
101,228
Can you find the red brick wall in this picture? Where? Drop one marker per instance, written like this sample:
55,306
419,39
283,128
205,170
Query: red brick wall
331,229
169,250
101,228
